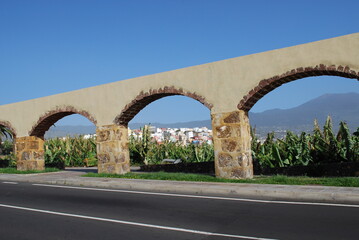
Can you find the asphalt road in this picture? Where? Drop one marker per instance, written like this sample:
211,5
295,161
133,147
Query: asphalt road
29,211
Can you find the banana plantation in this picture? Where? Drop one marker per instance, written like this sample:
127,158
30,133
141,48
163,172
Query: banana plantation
320,147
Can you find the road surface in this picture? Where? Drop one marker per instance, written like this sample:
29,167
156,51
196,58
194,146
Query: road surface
31,211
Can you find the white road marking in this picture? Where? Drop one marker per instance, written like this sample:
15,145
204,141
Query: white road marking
10,182
202,197
134,223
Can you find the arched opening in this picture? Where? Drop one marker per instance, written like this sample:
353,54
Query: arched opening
51,117
287,141
169,130
145,98
267,85
69,143
7,136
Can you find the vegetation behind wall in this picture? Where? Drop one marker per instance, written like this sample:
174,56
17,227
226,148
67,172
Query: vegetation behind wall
322,147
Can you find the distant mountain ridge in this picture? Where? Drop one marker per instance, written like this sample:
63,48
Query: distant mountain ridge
335,105
341,107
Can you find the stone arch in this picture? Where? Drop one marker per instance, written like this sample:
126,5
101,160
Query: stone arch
145,98
49,118
9,126
269,84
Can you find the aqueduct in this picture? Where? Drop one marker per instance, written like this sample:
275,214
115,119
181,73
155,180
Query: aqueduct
229,88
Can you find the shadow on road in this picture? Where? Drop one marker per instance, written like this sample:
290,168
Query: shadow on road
82,169
94,169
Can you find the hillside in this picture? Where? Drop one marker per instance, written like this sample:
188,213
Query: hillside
341,107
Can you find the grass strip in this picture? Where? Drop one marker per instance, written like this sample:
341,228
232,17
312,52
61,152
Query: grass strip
15,171
278,179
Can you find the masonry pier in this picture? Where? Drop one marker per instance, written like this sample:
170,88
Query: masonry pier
112,149
29,153
232,145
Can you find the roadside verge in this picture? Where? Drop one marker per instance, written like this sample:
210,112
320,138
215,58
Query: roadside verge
295,193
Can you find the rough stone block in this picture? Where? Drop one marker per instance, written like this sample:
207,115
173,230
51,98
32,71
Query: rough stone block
121,158
112,149
232,145
26,155
229,145
240,173
38,155
102,135
103,158
244,159
225,159
29,153
216,119
21,165
34,145
118,134
20,146
223,131
232,118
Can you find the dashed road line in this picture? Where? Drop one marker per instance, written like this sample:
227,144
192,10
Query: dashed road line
135,223
10,182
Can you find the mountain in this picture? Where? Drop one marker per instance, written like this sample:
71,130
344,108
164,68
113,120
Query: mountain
338,106
341,107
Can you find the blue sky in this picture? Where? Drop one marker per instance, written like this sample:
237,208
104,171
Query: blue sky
49,47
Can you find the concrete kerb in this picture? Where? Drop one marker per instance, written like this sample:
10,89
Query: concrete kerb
343,195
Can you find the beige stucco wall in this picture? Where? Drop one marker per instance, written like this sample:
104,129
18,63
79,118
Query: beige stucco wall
223,84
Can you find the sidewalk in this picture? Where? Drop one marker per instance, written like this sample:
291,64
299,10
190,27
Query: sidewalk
72,177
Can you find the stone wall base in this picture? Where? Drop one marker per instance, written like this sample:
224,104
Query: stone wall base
232,145
112,149
29,153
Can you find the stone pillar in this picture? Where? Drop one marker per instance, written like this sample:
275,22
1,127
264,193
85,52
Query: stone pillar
112,149
29,153
232,145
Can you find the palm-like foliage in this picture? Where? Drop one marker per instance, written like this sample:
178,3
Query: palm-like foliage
6,147
321,147
71,152
146,151
5,132
154,153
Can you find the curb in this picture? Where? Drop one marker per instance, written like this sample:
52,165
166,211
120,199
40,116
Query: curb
295,193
